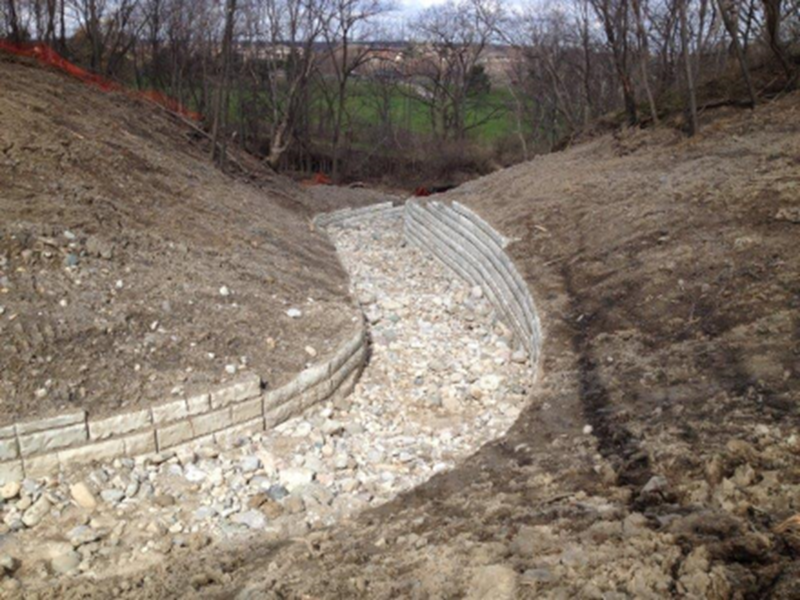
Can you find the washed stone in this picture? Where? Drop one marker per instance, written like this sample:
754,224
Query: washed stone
36,512
112,496
295,477
249,464
83,496
253,519
66,563
10,490
277,492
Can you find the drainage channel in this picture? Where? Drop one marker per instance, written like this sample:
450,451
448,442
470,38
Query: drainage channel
443,379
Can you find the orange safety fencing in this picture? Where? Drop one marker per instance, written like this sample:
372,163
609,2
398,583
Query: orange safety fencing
47,56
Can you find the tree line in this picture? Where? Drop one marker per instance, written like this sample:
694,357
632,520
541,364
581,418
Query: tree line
347,88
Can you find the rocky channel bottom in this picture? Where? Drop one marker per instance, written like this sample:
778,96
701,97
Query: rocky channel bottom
444,378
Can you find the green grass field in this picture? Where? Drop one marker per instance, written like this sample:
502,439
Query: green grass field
488,112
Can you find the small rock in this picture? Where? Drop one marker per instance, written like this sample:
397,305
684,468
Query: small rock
294,504
252,518
519,357
789,213
36,512
657,484
295,477
205,512
112,496
224,291
294,313
83,534
495,582
271,509
10,490
194,474
164,500
8,564
66,563
311,351
249,464
490,383
83,496
277,492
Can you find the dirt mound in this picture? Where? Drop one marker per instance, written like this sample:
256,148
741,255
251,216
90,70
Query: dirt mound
131,269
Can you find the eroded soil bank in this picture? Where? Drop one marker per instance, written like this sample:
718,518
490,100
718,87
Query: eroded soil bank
444,378
122,250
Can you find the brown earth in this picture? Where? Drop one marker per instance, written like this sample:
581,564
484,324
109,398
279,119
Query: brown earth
659,455
326,198
116,238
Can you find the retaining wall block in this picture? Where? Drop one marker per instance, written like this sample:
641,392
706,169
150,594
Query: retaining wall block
11,471
172,435
46,441
172,411
119,424
248,410
236,392
140,443
9,449
106,450
211,422
197,405
51,422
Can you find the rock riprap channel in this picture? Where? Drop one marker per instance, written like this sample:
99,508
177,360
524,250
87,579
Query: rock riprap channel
444,377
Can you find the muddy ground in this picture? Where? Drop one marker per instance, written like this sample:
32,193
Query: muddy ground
659,454
132,270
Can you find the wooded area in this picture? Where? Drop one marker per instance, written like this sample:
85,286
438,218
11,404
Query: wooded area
333,86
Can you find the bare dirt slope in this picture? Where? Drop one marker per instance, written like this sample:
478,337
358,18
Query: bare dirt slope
131,268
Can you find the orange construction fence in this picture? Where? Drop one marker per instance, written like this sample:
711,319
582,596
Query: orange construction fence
47,56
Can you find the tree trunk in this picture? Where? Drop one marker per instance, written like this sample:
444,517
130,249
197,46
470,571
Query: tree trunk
16,34
687,61
644,56
732,29
772,25
219,129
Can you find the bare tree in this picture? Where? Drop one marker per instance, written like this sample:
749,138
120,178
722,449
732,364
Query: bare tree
219,137
644,57
729,14
694,125
452,40
349,24
615,18
773,14
13,21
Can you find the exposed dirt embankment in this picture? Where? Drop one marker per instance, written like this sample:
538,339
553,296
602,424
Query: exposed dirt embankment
131,269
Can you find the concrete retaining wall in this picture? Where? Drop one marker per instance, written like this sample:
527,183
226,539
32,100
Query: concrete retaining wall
475,251
39,448
341,217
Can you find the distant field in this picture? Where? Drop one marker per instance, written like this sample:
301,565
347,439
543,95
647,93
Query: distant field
489,117
488,112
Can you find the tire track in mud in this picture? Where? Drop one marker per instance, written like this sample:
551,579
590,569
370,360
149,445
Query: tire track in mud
615,442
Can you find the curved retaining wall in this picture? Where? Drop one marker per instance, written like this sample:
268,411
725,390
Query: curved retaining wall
341,217
38,448
476,252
